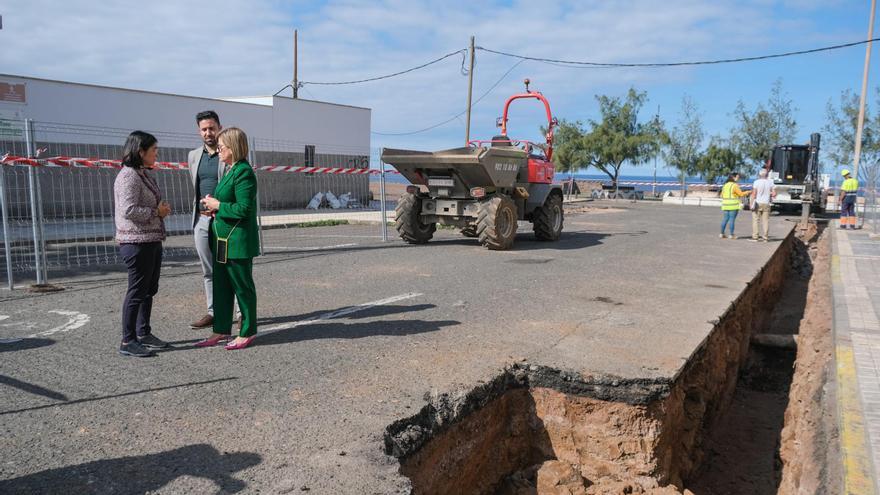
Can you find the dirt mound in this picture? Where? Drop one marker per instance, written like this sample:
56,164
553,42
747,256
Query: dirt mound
810,429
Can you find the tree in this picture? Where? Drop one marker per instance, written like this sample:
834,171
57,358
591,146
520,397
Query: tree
719,160
618,137
840,131
782,110
659,137
568,155
685,140
759,131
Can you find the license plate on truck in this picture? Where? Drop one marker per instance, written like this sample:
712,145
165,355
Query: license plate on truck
440,181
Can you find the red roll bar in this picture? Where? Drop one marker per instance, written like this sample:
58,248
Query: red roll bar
551,122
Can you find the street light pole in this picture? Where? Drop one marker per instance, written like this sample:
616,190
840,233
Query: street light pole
861,122
295,65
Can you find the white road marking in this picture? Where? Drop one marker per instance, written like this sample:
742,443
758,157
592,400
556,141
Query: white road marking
340,312
4,317
330,236
316,248
75,320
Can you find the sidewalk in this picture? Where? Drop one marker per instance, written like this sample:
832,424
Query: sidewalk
855,274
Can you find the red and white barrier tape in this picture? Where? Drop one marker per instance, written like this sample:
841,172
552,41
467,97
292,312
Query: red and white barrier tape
676,184
322,170
65,161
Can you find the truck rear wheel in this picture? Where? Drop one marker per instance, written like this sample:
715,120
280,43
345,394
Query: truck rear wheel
409,222
496,223
547,220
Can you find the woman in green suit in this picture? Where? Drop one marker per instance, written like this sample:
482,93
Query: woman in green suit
235,240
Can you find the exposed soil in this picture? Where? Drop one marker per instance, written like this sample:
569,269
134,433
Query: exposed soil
743,449
614,435
810,433
705,433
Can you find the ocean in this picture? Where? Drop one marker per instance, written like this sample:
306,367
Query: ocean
640,182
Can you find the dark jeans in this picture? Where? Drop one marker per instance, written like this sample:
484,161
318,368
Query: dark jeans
848,208
143,262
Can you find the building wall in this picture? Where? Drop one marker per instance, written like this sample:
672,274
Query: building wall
88,121
297,121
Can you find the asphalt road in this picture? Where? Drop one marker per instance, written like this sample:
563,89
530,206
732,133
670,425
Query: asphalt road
354,334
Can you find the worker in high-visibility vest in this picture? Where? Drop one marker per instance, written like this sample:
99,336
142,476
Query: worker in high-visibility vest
730,204
849,191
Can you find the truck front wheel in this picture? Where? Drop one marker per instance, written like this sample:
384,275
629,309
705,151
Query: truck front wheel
409,222
547,220
496,223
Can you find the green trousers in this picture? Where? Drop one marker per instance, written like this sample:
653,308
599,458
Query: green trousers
235,278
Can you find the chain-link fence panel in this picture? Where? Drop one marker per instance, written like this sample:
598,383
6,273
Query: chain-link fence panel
57,195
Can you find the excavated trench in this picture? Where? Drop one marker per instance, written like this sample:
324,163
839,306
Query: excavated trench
535,429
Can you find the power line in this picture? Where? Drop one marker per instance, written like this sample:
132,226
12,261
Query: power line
387,76
456,115
677,64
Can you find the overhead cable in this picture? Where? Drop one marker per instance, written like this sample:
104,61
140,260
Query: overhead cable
456,115
676,64
387,76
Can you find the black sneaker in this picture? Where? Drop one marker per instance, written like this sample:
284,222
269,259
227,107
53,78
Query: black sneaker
134,348
153,342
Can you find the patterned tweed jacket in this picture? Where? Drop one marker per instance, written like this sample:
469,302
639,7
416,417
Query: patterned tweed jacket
137,198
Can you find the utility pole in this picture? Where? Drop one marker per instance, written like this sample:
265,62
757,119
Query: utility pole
467,136
295,66
861,121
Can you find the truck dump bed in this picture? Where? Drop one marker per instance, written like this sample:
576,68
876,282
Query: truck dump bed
497,166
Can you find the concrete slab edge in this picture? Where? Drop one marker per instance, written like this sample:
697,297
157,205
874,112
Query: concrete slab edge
407,435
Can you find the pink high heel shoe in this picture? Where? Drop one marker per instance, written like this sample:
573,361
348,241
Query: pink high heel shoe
212,341
232,346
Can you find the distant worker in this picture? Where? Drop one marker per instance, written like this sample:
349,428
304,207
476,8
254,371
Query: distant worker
763,192
730,204
849,191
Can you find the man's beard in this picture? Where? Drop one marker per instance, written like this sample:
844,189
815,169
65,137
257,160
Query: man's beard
212,142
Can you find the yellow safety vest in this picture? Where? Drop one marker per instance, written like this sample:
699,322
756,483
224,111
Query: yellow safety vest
850,187
729,201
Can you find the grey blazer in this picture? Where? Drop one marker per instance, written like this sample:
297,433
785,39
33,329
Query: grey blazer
193,159
136,196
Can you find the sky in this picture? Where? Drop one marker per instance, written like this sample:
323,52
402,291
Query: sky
244,48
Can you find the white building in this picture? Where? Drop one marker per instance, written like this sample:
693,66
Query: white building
89,121
276,124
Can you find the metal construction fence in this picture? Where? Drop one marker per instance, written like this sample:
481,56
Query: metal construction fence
870,213
56,196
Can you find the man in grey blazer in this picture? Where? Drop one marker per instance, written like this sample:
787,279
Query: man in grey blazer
205,172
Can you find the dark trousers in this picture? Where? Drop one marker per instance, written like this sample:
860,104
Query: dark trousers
144,262
235,278
848,208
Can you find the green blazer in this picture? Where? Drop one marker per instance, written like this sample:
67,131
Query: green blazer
237,193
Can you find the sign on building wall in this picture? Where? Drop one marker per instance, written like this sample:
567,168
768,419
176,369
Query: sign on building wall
12,93
11,126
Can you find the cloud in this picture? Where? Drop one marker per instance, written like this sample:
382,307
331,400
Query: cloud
230,47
